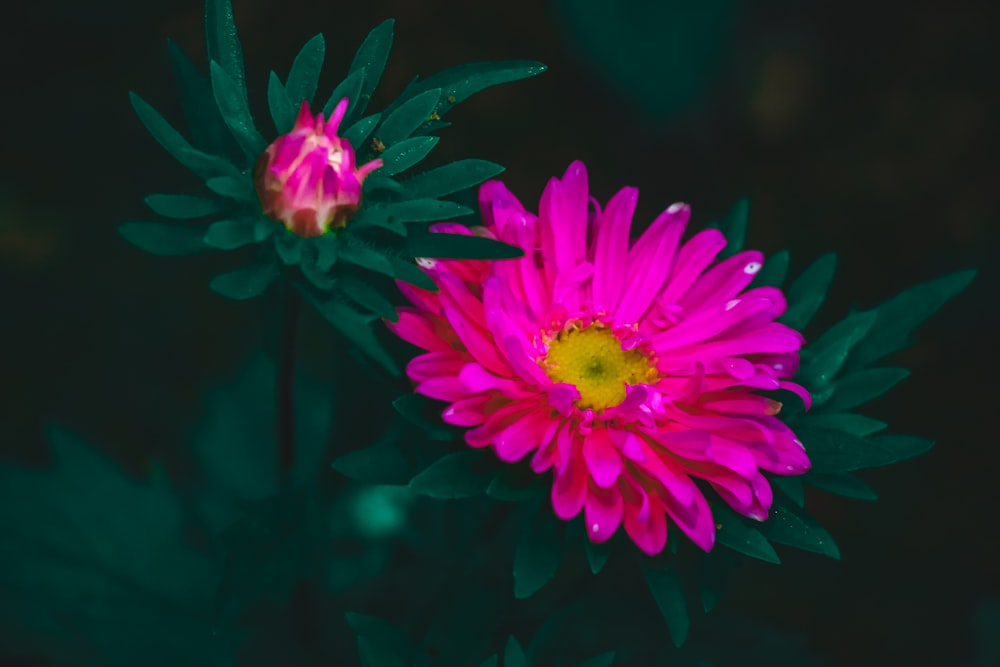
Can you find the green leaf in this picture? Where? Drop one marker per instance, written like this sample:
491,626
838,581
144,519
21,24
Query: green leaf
842,484
381,463
289,247
734,228
807,292
716,569
863,386
822,360
349,88
491,661
848,422
282,112
901,314
304,75
164,238
452,177
208,131
379,633
513,654
460,246
538,550
357,133
515,483
668,593
357,329
368,297
379,181
791,487
238,188
412,408
405,154
371,654
773,272
901,447
602,660
183,207
785,526
597,555
736,534
223,42
230,234
247,282
402,122
408,272
235,111
371,56
836,451
460,475
364,256
392,216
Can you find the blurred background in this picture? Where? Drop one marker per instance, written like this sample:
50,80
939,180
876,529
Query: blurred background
864,128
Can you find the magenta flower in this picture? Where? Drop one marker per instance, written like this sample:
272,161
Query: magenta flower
307,178
631,372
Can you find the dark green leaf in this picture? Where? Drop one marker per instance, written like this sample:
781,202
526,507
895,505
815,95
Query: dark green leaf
460,246
164,238
807,292
666,588
602,660
791,487
736,534
378,464
848,422
538,550
379,181
245,283
716,569
357,329
392,216
208,131
822,360
349,88
365,257
901,446
411,407
898,316
371,654
734,228
842,484
382,634
460,475
282,112
367,296
798,530
405,154
371,56
459,83
223,42
515,483
235,111
401,123
408,272
773,272
230,234
491,661
452,177
597,555
289,247
863,386
836,451
357,134
304,75
513,654
183,207
238,188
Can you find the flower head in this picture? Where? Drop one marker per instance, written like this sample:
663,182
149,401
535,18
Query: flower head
630,371
307,178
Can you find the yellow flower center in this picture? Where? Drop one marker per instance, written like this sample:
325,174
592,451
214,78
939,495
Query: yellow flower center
592,360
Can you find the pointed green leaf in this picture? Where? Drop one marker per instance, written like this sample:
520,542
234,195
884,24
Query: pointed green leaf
238,188
798,530
538,551
412,408
822,360
666,588
901,447
460,475
597,555
289,247
898,316
223,42
451,178
182,207
513,654
491,661
357,329
208,131
401,123
230,234
405,154
380,181
367,296
716,569
515,483
372,56
245,283
304,75
736,534
235,111
282,112
602,660
414,210
364,256
349,88
164,238
460,246
408,272
836,451
773,273
357,134
371,654
381,463
791,487
459,83
848,422
734,228
842,484
807,292
863,386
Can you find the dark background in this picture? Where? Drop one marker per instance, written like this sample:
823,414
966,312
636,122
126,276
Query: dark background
864,128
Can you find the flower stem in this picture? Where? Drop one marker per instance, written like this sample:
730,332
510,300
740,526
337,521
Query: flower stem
286,384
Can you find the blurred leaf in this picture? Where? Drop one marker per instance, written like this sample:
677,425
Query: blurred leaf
208,131
807,292
602,660
238,188
182,207
460,475
459,83
374,655
848,422
791,487
404,154
863,386
356,328
282,111
304,75
402,122
515,483
371,56
223,43
451,177
597,555
842,484
247,282
538,551
384,635
734,532
773,272
235,111
716,569
513,654
491,661
467,615
230,234
349,88
368,297
460,246
668,593
381,463
734,228
164,238
786,526
412,408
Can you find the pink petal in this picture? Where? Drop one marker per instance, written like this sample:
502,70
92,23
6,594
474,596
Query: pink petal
611,249
524,435
650,262
569,491
645,525
603,512
602,459
693,258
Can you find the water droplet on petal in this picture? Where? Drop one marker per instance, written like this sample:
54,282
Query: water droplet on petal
752,268
799,443
731,304
595,528
779,367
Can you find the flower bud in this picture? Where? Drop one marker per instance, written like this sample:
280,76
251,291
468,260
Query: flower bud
307,179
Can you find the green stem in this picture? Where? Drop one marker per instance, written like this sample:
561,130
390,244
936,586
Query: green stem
286,384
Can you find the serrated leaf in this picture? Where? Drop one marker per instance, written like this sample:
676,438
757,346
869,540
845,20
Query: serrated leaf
357,134
513,654
208,131
349,88
791,487
235,110
304,75
736,534
183,207
230,234
460,475
411,407
371,56
378,464
282,112
807,292
863,386
164,238
367,296
238,188
515,483
383,634
848,422
597,555
536,558
357,329
773,272
247,282
602,660
451,178
785,526
901,314
734,228
401,123
460,246
842,484
668,593
405,154
408,272
223,42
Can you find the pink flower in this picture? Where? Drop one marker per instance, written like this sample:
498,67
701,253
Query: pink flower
631,372
307,178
